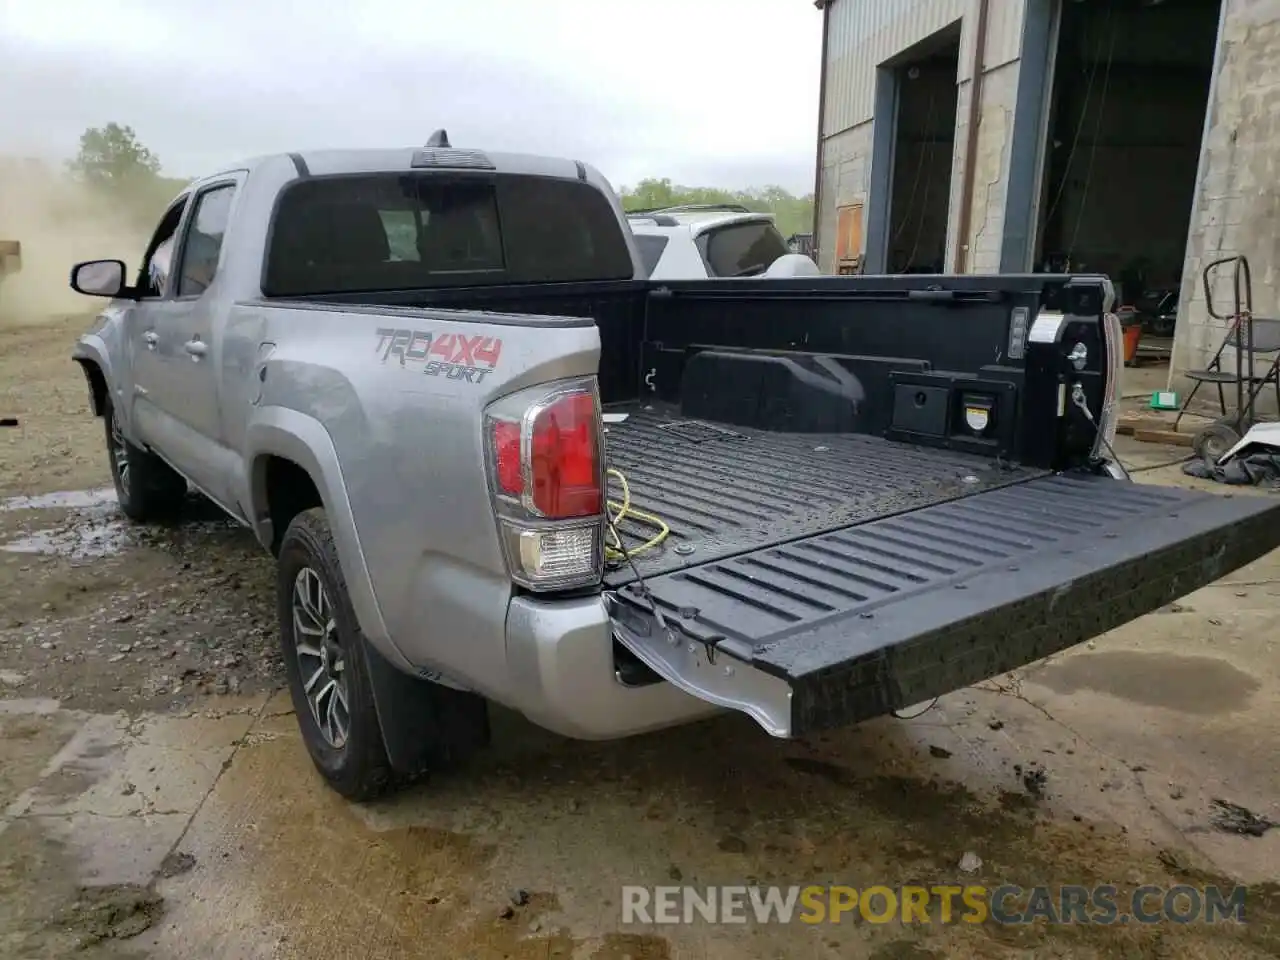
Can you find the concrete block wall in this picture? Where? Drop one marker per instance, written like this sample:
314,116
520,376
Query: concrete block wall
1237,202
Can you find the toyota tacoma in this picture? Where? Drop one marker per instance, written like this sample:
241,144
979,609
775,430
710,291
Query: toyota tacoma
496,462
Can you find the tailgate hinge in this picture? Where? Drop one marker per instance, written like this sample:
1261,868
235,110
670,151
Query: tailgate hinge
686,656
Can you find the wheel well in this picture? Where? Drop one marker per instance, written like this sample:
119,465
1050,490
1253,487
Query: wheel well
289,490
97,386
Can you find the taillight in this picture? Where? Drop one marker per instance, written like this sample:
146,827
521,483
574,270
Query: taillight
564,458
547,477
506,457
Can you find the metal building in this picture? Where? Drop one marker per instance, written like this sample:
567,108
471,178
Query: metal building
1133,137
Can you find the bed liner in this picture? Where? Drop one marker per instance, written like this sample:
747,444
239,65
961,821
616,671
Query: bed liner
724,491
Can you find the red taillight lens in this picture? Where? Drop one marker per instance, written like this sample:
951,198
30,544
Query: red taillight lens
506,456
565,455
546,460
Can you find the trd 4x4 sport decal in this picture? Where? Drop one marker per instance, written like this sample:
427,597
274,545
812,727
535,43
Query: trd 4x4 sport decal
455,356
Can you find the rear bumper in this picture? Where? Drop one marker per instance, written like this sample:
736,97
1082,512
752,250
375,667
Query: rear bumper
560,657
834,629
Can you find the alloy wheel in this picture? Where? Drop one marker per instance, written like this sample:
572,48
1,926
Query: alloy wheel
120,454
321,658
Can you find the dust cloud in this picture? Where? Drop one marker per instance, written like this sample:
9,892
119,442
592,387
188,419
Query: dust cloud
58,222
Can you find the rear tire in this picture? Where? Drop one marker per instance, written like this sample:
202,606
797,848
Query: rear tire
323,649
147,488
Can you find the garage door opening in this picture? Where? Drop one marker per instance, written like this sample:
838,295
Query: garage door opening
1127,112
924,144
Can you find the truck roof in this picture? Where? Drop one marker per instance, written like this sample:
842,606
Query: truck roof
384,160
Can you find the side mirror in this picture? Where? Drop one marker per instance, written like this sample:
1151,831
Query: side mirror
99,278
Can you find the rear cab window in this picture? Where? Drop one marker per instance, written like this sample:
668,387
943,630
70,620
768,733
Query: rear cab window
405,231
742,249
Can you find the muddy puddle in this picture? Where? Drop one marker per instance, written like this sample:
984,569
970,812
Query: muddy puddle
83,538
102,613
90,525
65,499
1189,684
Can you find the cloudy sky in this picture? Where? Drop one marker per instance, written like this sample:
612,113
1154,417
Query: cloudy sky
707,92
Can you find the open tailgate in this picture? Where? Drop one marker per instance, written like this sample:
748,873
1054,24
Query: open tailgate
839,627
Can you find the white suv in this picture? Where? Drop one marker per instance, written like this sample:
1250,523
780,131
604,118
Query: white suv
697,241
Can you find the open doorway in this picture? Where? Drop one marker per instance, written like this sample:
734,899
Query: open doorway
1127,111
923,149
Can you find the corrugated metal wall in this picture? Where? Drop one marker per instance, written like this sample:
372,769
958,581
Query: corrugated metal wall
866,33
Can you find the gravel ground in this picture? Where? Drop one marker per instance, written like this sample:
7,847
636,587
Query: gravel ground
101,614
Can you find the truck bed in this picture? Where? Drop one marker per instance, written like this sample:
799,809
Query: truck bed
724,491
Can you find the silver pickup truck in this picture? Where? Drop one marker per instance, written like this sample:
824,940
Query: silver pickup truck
495,462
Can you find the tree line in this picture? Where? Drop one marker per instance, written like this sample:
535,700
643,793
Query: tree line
113,161
115,164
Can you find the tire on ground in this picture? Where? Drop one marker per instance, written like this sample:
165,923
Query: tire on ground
147,488
1213,442
358,768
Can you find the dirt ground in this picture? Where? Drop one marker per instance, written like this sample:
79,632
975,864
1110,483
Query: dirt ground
155,800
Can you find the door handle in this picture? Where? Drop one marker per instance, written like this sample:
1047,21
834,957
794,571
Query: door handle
196,348
151,338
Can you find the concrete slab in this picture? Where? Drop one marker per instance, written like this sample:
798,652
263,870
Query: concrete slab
1100,765
112,850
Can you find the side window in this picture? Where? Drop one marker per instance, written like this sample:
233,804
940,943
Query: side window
153,278
204,240
742,249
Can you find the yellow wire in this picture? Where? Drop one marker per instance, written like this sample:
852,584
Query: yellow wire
616,551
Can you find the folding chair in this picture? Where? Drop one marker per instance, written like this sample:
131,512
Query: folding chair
1266,342
1249,338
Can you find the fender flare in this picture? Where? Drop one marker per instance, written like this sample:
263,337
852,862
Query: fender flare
90,349
295,436
422,723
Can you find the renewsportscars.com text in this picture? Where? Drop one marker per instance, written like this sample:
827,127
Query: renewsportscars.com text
1006,904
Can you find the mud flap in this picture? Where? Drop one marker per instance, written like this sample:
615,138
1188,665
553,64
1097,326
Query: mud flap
847,625
425,725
